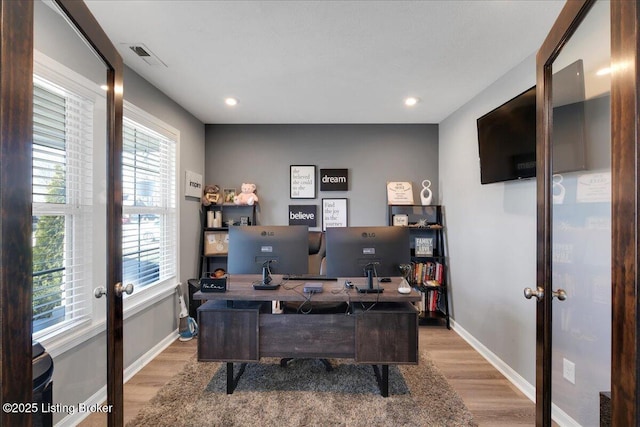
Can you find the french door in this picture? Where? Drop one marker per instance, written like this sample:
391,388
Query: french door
587,251
65,40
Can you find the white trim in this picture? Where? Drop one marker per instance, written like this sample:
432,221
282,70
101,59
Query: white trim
151,122
99,397
515,378
62,343
147,297
49,69
561,418
146,358
529,390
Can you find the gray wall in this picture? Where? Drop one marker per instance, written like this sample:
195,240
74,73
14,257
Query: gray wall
491,232
373,154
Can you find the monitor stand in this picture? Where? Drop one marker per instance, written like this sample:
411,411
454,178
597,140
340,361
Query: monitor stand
369,289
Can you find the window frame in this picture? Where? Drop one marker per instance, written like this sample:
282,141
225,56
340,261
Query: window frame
140,299
67,338
51,72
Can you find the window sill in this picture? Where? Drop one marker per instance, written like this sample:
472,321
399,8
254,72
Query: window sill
66,340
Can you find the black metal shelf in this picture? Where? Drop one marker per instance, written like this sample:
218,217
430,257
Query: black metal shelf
428,222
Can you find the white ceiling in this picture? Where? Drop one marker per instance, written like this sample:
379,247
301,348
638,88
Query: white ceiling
325,61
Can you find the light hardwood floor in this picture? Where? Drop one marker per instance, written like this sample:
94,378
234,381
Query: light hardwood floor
492,399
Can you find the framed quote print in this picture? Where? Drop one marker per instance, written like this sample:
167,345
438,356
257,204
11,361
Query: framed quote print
334,213
302,182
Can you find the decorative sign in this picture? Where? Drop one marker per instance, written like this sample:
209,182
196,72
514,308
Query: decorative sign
192,184
302,182
424,246
334,213
399,193
594,187
401,220
216,243
334,179
303,215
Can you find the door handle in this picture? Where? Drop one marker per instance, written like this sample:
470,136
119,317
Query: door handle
118,289
538,293
561,294
99,292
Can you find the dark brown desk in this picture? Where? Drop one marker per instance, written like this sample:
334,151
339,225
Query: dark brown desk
238,326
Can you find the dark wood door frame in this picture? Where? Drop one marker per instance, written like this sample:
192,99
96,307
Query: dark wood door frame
624,251
16,136
624,198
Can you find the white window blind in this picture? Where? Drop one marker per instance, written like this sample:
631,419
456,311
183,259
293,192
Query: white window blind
62,207
149,236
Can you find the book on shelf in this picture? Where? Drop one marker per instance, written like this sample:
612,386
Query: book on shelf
430,273
433,300
430,301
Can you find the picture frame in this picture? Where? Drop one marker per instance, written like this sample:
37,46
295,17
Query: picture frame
216,243
334,213
399,193
424,246
192,184
229,195
401,220
303,215
302,181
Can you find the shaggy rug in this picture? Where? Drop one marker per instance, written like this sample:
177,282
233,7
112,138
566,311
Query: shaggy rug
305,394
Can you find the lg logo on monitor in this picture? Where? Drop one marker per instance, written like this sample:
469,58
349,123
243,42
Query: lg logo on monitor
366,235
267,234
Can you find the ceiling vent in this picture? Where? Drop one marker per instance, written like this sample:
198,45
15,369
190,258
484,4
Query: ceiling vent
145,54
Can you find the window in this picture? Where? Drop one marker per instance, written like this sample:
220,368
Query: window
69,215
62,206
149,229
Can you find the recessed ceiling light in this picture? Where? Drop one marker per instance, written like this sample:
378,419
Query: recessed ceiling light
410,101
231,102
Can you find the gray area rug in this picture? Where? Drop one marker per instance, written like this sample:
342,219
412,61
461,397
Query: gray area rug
305,394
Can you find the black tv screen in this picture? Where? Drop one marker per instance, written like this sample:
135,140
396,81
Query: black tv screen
507,134
507,140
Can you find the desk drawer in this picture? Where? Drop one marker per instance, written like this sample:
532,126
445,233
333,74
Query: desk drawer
307,335
387,334
227,334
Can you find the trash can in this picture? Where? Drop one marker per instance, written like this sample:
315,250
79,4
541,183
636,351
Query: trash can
42,385
194,286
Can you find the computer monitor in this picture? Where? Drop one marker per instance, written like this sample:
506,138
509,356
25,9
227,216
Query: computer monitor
351,251
284,248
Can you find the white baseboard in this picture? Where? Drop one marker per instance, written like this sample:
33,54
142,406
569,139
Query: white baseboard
516,379
101,395
144,360
529,390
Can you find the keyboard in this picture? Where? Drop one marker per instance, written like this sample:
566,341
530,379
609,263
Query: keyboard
258,287
309,277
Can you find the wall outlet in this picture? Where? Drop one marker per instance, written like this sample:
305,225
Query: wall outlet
569,371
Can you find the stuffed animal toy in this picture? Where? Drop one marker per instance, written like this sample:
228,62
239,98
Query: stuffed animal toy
247,195
211,195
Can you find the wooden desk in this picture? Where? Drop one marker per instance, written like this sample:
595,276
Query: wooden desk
238,326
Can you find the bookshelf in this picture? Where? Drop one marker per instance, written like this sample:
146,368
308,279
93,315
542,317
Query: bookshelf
428,257
214,243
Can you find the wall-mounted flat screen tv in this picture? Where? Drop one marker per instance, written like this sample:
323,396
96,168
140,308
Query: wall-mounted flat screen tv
507,134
